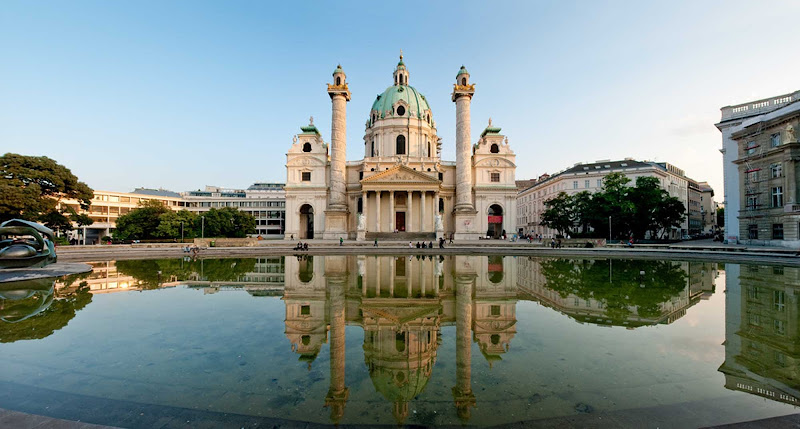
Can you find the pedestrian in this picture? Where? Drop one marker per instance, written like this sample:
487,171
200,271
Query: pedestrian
291,237
558,244
451,238
430,245
410,246
375,244
341,241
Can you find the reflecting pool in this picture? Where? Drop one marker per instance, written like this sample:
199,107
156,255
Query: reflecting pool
387,340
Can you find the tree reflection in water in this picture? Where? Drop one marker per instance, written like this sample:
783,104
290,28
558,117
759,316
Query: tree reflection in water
619,286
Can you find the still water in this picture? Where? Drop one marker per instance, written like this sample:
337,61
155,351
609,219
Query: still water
382,340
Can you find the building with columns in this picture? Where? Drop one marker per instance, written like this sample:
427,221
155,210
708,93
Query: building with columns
401,189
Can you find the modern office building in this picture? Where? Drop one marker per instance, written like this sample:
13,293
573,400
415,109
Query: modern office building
734,119
265,201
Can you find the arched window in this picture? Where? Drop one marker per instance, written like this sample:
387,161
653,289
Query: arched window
441,205
401,110
494,148
306,147
338,81
360,206
401,145
401,79
464,81
429,149
372,148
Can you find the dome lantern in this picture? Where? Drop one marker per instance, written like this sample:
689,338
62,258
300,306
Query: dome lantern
400,74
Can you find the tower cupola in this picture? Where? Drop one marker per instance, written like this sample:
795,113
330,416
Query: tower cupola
401,73
462,78
339,78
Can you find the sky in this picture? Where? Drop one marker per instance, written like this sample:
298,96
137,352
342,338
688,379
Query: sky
183,94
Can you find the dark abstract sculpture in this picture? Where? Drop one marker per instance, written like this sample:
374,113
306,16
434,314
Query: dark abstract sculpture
22,300
25,244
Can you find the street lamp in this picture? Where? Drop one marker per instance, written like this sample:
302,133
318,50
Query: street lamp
181,231
609,228
202,227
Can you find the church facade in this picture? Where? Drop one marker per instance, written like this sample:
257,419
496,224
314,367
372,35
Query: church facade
401,189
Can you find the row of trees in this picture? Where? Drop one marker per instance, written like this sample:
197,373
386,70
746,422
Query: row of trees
31,188
641,211
152,220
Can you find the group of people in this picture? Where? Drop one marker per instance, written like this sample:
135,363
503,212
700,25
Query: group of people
555,244
428,245
194,250
301,246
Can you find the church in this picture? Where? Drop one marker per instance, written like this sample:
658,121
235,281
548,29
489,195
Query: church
401,189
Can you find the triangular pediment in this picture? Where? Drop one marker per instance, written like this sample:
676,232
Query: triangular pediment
400,174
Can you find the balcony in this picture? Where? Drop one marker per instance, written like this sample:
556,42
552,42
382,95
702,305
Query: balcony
791,208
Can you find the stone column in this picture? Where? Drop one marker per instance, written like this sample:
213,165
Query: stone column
410,210
409,277
422,212
463,153
791,182
391,212
463,396
392,270
378,211
364,204
336,209
378,277
336,281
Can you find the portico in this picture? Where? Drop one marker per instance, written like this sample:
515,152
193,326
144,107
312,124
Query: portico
413,208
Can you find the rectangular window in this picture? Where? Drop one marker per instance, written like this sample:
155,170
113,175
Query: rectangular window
779,300
752,293
495,310
575,184
775,140
751,148
599,183
306,176
495,177
777,196
752,202
305,310
776,170
752,231
586,184
754,320
777,231
780,327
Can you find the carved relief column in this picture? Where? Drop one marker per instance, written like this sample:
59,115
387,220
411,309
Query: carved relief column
465,214
378,211
410,207
336,210
391,212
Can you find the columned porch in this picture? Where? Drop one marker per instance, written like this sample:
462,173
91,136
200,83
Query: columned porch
400,211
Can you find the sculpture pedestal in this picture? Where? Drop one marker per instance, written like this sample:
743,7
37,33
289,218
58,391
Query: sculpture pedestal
466,225
361,235
335,224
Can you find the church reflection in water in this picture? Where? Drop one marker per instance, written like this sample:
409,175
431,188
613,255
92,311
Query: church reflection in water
402,303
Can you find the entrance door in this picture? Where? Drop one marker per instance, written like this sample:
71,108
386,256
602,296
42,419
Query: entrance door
400,221
306,222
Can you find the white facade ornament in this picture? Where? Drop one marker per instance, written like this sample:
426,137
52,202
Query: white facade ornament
790,137
294,139
490,122
506,141
310,120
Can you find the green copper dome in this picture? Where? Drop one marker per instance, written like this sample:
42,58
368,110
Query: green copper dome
416,102
462,70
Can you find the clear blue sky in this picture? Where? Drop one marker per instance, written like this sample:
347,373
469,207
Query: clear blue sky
182,94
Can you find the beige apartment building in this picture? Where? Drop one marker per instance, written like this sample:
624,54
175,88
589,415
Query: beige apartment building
589,177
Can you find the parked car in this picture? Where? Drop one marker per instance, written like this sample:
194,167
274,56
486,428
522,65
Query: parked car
686,237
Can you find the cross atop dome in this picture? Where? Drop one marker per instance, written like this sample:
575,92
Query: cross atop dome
400,74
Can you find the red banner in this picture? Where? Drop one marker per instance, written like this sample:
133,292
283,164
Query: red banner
495,219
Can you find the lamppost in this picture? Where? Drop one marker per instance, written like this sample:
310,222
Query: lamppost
609,228
202,227
181,231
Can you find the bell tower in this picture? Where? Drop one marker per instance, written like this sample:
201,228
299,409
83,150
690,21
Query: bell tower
401,72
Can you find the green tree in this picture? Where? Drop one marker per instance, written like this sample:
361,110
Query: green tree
559,213
612,201
670,213
646,197
584,211
170,223
140,223
31,187
228,222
